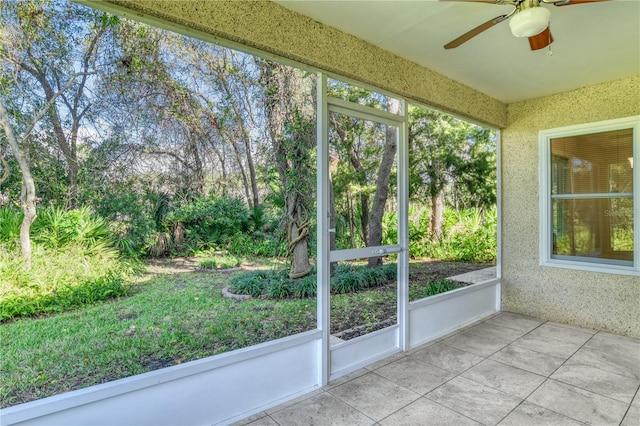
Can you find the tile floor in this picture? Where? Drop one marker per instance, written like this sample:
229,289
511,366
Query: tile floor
508,370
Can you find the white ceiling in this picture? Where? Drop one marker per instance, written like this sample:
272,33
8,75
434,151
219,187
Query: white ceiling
594,42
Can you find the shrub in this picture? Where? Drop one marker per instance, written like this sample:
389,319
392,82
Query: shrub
468,235
10,221
439,286
251,283
219,262
55,227
210,221
59,280
305,286
347,278
279,287
257,245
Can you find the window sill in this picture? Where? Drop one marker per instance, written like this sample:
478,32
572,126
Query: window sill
591,267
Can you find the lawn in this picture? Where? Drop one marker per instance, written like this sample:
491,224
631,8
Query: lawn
173,314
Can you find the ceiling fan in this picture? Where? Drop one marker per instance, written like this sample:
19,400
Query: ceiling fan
528,19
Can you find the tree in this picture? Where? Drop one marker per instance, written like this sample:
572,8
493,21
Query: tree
382,184
368,150
19,146
46,45
290,125
448,154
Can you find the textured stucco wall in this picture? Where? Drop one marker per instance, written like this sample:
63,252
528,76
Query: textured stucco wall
272,28
595,300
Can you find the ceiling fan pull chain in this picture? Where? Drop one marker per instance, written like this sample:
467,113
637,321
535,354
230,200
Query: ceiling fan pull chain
550,52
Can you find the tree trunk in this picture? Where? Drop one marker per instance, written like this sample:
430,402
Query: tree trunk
291,150
245,182
298,241
436,221
28,196
382,185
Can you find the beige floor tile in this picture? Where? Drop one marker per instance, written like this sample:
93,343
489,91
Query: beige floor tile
564,334
447,357
515,321
263,421
609,358
250,419
578,404
374,395
534,362
636,399
546,345
527,414
478,402
426,412
493,330
321,410
478,345
387,360
505,378
294,401
632,418
598,381
572,327
346,378
415,375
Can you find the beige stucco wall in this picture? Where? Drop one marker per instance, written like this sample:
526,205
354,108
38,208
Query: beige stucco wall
271,28
595,300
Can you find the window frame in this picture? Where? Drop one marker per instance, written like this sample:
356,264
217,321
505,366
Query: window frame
546,202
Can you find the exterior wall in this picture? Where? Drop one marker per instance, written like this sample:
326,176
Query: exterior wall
271,28
594,300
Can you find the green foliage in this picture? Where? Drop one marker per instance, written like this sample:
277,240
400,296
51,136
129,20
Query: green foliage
10,221
305,287
55,228
280,287
468,235
211,221
59,279
74,263
451,156
347,278
134,209
219,262
257,244
439,286
251,283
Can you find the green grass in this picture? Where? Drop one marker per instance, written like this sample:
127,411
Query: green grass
167,320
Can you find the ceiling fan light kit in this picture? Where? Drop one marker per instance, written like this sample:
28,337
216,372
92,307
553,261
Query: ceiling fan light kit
529,22
527,19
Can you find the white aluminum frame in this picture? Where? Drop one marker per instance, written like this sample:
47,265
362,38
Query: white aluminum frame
582,263
348,356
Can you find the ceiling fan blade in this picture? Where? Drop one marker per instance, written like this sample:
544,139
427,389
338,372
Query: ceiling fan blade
572,2
542,40
474,32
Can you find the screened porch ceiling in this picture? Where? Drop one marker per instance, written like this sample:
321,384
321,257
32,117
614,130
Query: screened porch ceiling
594,43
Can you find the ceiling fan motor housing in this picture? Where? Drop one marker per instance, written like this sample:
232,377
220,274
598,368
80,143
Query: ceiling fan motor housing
530,21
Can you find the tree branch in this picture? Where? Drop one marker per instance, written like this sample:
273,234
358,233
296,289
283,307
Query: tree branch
48,105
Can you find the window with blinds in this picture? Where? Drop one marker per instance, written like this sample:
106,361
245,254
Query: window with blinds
589,203
592,195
